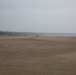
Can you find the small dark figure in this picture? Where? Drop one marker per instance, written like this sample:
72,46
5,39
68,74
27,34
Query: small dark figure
36,35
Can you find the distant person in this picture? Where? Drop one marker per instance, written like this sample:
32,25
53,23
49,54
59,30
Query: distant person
36,35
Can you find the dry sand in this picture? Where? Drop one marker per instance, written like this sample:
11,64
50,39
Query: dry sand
38,56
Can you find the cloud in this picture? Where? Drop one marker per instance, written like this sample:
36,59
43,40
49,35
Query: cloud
38,15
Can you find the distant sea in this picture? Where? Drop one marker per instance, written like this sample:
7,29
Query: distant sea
58,34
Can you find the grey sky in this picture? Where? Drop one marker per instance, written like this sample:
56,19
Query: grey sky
38,15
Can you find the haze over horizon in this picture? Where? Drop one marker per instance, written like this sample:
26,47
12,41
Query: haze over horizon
57,16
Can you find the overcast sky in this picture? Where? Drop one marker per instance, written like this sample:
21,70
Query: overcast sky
38,15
